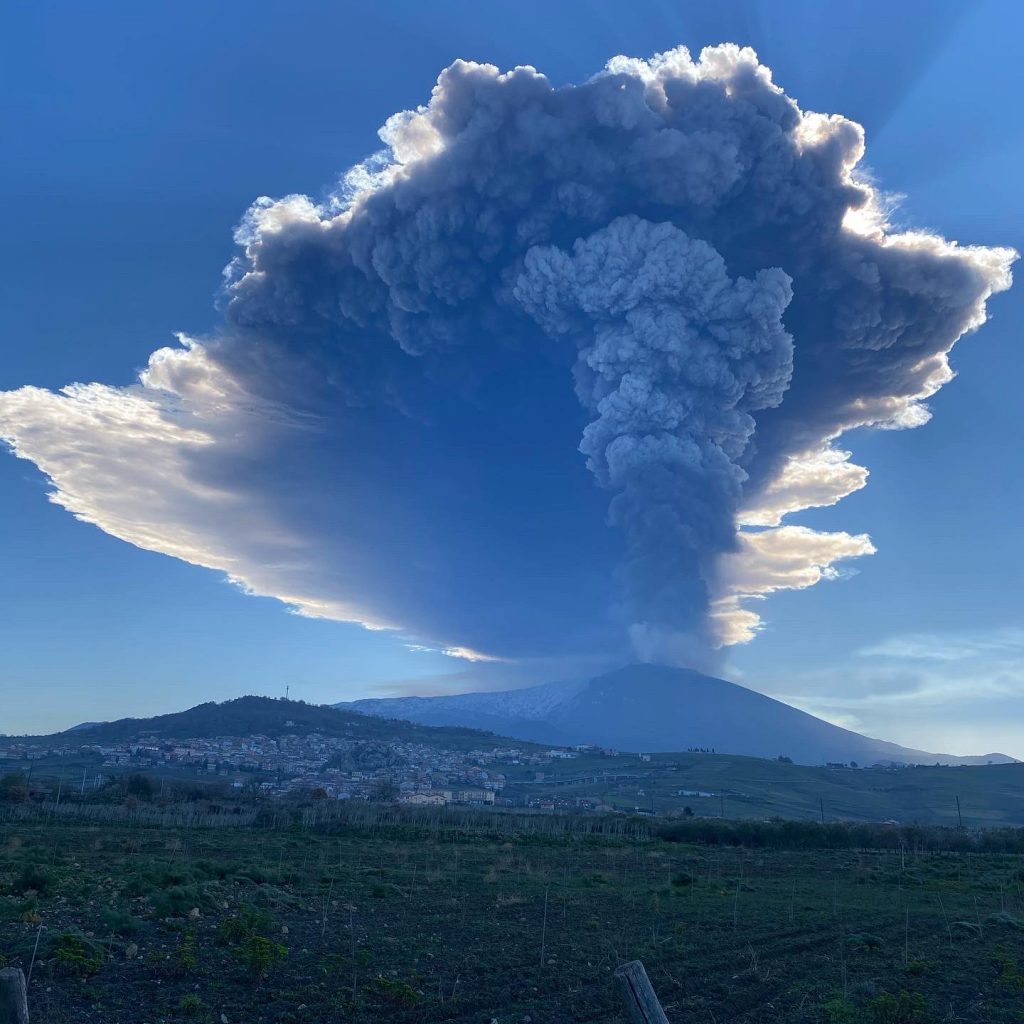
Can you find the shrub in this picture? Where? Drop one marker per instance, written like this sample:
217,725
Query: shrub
260,954
74,954
185,955
841,1011
190,1005
396,993
1010,975
333,963
24,911
906,1008
120,922
32,877
232,929
177,901
1003,919
247,922
13,789
140,786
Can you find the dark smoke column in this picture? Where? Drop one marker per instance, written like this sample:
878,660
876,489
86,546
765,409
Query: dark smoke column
674,357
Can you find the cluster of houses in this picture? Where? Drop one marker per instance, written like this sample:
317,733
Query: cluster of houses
14,749
329,767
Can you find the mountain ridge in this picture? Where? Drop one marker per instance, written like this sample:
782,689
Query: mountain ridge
270,716
657,708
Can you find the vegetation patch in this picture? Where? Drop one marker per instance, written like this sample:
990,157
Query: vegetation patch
391,921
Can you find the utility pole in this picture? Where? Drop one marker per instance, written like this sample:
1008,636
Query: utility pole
959,816
84,772
821,803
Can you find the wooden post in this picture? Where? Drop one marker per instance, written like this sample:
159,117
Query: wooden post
13,996
638,994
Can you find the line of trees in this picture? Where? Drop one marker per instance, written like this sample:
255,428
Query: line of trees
810,835
133,787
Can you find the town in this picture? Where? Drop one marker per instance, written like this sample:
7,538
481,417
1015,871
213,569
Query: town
313,764
255,750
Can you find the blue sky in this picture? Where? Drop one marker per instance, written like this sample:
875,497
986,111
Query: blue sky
139,138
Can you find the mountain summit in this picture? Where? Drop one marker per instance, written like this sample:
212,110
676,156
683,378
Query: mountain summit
656,708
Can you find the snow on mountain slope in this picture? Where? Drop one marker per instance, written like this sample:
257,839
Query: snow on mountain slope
533,704
656,708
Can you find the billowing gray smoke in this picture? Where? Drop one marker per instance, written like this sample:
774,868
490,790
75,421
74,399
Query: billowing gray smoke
675,357
381,429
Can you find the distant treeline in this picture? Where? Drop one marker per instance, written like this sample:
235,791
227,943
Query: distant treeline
335,816
332,817
810,835
327,816
182,815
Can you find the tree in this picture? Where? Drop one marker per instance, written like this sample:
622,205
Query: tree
384,791
140,786
13,789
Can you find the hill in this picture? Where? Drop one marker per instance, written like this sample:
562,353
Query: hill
751,788
265,716
711,784
657,708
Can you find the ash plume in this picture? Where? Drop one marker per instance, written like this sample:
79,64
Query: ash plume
675,357
549,373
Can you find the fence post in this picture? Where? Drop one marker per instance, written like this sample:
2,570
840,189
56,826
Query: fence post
638,994
13,996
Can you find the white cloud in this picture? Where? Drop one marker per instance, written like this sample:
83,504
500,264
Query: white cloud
958,692
783,558
132,462
1008,642
463,653
160,464
810,480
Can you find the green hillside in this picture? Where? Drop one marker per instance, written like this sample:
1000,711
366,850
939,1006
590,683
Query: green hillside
749,787
266,716
711,785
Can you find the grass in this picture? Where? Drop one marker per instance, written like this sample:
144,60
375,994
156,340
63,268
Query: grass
394,923
755,788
